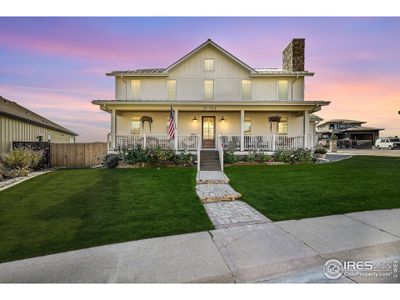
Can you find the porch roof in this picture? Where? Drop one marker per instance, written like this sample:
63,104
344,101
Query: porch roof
313,106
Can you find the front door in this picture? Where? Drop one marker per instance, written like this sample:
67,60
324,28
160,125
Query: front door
208,132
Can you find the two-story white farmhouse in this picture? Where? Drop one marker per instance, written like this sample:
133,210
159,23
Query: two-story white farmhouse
216,99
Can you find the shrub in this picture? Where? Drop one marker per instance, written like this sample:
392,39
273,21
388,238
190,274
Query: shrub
252,156
2,172
262,157
19,162
110,161
229,153
282,156
184,159
135,155
320,150
293,156
159,156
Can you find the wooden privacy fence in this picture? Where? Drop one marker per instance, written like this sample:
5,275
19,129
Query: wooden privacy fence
77,155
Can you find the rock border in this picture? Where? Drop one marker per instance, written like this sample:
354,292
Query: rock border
14,181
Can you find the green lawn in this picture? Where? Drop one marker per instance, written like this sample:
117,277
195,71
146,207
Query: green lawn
73,209
285,192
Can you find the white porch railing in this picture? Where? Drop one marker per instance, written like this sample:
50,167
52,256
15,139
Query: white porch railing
230,141
264,142
185,142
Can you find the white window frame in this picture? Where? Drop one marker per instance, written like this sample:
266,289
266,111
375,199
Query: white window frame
204,64
132,94
244,97
171,97
204,89
287,126
277,89
134,119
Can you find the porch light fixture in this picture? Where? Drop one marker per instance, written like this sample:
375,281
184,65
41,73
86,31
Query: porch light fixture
194,118
222,119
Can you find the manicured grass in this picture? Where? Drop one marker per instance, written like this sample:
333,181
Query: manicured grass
73,209
284,192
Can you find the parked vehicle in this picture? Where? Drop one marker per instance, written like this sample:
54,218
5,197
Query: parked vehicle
389,143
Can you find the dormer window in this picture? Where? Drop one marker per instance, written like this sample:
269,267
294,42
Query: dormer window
209,64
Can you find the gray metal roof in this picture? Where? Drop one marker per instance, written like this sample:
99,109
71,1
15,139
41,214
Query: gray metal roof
209,42
14,110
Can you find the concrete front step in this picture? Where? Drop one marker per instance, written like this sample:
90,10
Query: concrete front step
216,192
204,177
210,168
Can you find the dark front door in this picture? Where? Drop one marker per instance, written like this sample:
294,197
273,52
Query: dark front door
208,124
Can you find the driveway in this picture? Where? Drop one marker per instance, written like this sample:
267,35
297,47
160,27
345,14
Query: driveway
371,152
288,251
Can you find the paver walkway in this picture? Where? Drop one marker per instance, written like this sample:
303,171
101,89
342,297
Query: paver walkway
233,213
213,186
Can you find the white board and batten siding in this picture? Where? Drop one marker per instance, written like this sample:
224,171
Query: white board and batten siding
190,76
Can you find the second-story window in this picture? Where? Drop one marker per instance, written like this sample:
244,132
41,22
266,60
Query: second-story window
283,89
171,86
246,89
209,64
135,89
208,89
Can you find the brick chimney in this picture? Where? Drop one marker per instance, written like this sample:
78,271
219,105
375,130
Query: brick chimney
293,56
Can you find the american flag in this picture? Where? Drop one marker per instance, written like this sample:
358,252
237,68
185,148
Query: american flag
171,127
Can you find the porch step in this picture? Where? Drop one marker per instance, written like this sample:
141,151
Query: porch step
210,167
209,160
216,192
208,177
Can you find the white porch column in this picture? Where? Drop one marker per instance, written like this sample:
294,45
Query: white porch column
306,128
242,130
176,129
113,128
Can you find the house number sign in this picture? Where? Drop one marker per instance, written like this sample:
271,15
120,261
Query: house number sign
209,107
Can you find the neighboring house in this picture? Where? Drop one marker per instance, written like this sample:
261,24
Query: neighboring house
18,124
350,133
216,98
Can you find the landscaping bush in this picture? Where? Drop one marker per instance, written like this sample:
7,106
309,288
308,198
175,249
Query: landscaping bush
293,156
184,158
110,161
19,162
135,155
252,156
262,157
159,156
229,153
320,150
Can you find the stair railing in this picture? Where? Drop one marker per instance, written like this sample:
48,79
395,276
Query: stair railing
220,152
198,153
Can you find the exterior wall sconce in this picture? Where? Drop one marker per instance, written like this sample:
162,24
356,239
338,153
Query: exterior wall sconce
222,119
194,118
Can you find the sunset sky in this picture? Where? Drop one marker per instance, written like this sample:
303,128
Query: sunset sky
56,66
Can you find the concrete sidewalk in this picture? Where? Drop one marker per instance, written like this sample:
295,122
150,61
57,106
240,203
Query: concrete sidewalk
289,251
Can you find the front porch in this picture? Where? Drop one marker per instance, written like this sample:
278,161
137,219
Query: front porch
244,130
